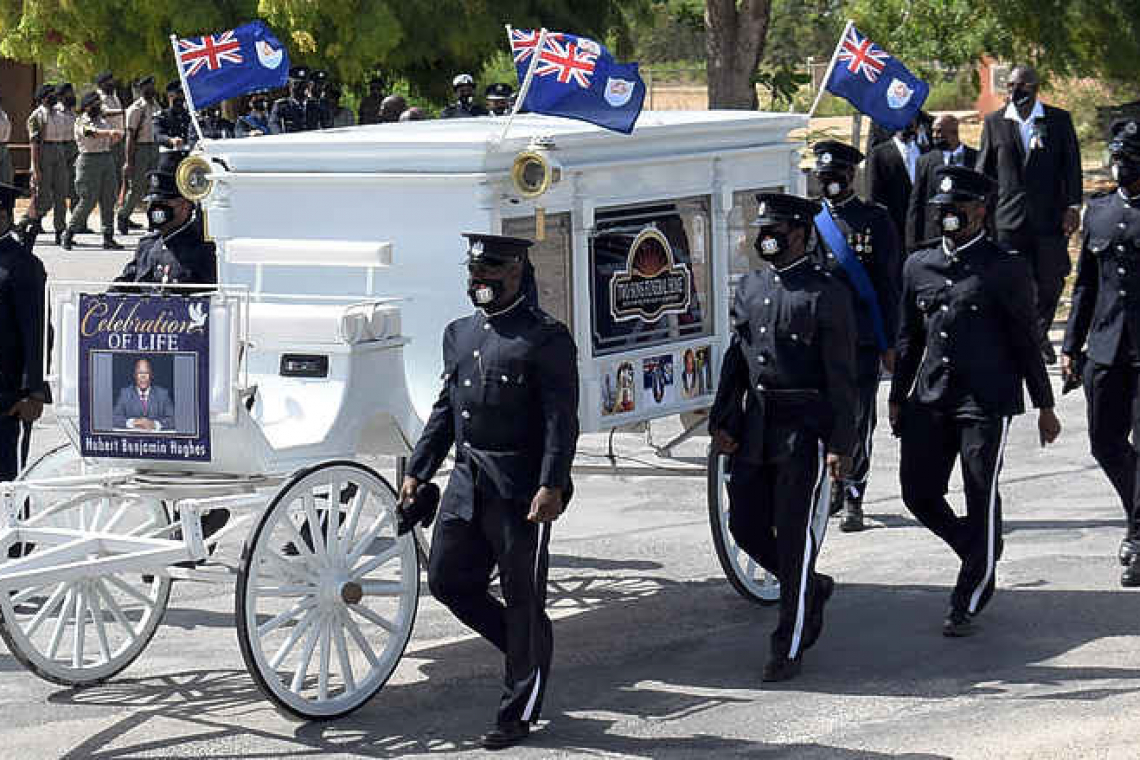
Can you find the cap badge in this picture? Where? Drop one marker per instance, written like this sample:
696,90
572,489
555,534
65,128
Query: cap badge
1130,128
477,248
947,184
825,159
763,211
155,181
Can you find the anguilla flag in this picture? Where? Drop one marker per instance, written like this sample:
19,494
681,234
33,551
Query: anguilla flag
875,82
576,78
224,65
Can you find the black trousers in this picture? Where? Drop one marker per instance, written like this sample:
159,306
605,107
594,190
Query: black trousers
9,447
772,507
1048,256
866,417
1113,395
931,441
463,555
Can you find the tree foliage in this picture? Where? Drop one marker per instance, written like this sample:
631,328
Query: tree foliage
423,42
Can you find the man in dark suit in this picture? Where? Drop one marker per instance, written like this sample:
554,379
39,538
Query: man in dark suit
890,173
144,406
922,219
1032,151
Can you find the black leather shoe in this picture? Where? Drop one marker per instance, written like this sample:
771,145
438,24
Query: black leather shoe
1128,550
109,244
852,517
781,669
958,624
505,735
124,228
836,505
1130,578
65,240
825,587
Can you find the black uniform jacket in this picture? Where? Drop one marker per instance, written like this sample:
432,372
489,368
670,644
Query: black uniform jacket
170,123
459,111
181,257
1035,190
871,235
22,279
1106,296
287,115
790,370
968,333
509,404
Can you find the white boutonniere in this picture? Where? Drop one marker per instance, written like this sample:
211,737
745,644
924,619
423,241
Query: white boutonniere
1037,134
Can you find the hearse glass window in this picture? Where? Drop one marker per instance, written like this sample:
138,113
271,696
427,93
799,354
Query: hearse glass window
650,267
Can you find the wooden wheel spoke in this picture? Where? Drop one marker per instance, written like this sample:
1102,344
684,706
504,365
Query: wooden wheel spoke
369,536
361,642
44,612
286,591
100,626
294,636
116,610
130,590
306,656
372,617
280,619
361,570
314,521
354,514
326,651
80,632
61,621
343,656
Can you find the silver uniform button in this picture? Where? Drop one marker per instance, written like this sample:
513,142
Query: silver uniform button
767,301
475,353
487,327
466,414
795,336
762,359
763,330
945,307
1123,292
945,359
467,444
943,334
973,307
505,379
1123,225
1120,270
1120,247
467,383
949,282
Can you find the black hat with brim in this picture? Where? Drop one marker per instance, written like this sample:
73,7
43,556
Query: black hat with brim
104,77
499,91
43,91
299,73
495,249
89,100
957,184
1124,138
148,79
832,154
160,183
780,207
175,86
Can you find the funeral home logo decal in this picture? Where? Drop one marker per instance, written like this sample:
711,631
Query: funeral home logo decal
652,284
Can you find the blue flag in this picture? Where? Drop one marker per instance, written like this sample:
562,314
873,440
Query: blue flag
577,78
875,82
228,64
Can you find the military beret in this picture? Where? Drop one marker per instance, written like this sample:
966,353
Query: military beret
104,77
960,183
44,90
832,154
780,207
461,79
299,73
8,195
148,79
1124,137
89,100
499,91
173,86
495,249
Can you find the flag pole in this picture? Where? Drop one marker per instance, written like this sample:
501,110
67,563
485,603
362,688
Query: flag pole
830,68
186,88
526,82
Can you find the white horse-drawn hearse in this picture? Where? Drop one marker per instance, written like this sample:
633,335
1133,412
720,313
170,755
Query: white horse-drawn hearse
339,258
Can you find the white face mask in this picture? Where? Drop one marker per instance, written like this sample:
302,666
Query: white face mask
833,189
951,223
769,246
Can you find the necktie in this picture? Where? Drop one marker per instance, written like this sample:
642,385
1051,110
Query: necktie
144,396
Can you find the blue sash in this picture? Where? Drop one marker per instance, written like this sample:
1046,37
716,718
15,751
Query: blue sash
837,242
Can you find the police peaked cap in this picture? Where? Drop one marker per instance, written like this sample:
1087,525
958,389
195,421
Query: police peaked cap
320,75
89,100
499,91
462,79
1124,138
832,154
299,73
960,183
780,207
65,87
106,76
44,90
173,86
160,183
495,249
148,79
8,196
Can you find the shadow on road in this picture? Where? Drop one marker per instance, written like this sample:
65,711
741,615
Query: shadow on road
648,651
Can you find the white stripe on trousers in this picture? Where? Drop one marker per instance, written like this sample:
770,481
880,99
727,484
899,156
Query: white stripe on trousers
798,629
991,544
529,711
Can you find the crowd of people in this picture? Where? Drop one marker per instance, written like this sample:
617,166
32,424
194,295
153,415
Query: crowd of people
94,151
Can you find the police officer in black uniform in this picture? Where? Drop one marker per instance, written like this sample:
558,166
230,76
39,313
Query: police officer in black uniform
318,113
23,391
1106,314
464,105
967,341
288,113
173,128
175,251
498,96
509,404
784,410
875,254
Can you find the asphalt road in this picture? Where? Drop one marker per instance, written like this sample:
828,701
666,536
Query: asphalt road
657,657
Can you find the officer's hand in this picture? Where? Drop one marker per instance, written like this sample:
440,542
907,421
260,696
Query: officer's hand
723,443
408,489
894,416
1048,426
838,465
1066,367
889,360
546,506
28,409
176,142
1071,221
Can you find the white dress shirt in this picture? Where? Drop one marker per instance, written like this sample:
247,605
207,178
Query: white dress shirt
909,152
956,157
1026,125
